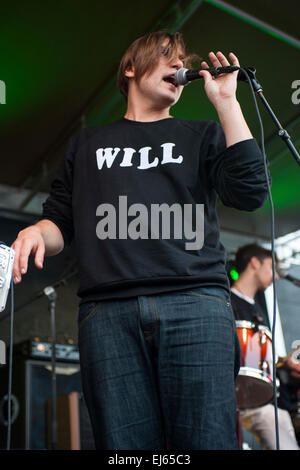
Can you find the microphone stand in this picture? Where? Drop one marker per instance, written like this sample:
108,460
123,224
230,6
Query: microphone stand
248,75
281,131
40,294
51,294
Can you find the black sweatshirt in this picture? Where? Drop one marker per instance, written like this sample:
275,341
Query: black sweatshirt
115,179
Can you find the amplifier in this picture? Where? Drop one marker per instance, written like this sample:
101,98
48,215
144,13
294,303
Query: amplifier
43,350
31,389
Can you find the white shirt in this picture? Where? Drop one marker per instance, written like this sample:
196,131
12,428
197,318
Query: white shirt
242,296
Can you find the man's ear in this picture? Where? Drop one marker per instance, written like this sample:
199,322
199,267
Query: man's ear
255,263
129,72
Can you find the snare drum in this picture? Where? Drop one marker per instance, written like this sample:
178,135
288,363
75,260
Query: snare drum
254,386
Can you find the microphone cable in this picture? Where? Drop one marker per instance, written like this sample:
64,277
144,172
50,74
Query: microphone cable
273,258
8,444
10,367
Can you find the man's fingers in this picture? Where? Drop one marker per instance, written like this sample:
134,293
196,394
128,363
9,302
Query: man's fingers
28,241
39,256
220,60
16,268
214,59
26,249
206,75
23,248
234,59
224,62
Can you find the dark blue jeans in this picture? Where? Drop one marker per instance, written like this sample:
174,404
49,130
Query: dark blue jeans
159,370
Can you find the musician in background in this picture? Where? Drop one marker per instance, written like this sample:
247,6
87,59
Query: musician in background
254,264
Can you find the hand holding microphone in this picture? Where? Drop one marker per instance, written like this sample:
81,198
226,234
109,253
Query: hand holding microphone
222,89
222,94
220,66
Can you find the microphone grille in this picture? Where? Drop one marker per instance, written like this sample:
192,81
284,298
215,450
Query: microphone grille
180,76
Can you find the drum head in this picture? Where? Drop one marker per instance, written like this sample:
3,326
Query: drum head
253,390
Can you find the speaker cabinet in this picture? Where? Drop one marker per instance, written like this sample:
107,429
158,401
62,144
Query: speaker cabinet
31,390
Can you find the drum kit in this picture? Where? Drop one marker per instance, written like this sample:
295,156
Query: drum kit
254,383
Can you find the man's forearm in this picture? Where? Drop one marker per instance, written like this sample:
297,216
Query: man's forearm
233,122
53,239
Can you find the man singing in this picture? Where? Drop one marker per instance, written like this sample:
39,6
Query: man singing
157,339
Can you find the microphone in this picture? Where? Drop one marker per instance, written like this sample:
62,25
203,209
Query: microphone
184,76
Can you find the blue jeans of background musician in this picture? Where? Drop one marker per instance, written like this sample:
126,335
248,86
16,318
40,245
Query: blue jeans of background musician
161,368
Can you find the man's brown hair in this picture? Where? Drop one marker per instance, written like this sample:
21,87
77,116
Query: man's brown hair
144,53
246,252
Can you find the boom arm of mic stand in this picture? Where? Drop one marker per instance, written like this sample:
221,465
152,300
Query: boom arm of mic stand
281,131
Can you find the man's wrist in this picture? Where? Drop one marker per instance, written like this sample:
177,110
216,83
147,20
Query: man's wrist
228,105
38,227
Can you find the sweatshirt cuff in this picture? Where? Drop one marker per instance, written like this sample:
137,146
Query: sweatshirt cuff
243,151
